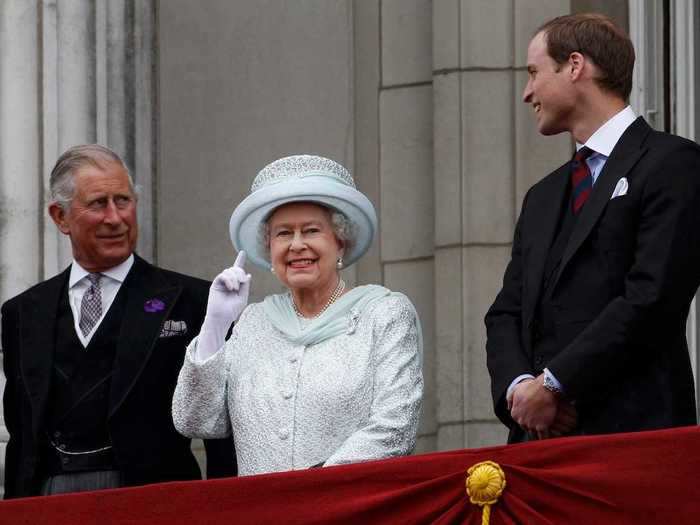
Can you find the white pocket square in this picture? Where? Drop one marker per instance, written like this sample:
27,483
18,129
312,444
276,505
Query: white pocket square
172,328
620,188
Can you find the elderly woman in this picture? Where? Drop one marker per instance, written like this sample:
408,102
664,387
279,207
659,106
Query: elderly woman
322,374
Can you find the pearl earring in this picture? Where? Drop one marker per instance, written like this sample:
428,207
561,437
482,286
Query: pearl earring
272,269
339,263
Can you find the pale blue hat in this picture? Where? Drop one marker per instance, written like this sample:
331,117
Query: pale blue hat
302,178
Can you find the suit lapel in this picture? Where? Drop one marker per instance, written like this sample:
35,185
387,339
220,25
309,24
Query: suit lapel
37,328
543,230
140,327
623,157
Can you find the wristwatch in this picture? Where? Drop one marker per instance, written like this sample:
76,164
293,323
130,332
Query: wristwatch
550,385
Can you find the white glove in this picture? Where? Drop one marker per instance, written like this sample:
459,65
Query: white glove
228,297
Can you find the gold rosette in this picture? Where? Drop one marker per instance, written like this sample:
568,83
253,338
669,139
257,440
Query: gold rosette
485,484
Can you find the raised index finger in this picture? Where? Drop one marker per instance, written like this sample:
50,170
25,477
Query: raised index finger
240,260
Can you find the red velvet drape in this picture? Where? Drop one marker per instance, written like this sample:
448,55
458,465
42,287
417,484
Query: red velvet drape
640,478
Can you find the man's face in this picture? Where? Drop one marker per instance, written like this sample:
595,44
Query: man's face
548,89
101,220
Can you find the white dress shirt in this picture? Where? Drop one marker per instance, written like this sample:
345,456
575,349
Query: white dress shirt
601,143
604,140
110,283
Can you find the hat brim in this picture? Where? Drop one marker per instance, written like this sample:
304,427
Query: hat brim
246,219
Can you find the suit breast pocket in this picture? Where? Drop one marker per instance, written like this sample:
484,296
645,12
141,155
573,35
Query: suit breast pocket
173,328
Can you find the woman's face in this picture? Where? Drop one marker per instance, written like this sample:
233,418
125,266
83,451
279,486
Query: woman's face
303,247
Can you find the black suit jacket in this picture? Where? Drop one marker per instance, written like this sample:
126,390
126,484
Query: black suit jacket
621,294
147,447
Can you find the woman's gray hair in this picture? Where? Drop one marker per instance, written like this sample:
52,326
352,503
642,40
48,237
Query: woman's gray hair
343,228
61,183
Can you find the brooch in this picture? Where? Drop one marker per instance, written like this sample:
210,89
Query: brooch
154,305
352,321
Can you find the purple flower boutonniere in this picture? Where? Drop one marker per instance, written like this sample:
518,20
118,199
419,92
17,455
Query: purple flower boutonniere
154,305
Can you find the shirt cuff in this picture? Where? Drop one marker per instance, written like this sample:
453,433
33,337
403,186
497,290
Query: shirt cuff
549,375
517,380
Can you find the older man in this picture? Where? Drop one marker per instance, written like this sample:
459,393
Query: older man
92,355
587,335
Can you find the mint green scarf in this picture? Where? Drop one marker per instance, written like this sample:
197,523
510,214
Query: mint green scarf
340,317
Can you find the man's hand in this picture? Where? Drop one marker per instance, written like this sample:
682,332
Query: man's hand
565,420
534,408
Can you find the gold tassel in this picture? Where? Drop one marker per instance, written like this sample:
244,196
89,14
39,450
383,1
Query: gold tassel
485,484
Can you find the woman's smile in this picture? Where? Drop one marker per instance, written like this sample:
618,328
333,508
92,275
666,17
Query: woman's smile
301,264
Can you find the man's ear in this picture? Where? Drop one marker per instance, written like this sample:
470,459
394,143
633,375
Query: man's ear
58,214
576,64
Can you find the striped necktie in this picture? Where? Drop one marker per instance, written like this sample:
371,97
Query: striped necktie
581,179
91,305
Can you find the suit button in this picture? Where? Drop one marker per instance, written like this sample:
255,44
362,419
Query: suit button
293,359
539,362
287,395
57,435
284,434
65,460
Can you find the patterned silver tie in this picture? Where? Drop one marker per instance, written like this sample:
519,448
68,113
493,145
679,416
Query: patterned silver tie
91,305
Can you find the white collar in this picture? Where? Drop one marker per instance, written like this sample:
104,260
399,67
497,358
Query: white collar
118,272
606,136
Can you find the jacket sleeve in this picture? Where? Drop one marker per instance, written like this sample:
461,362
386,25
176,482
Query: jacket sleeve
505,354
11,399
200,407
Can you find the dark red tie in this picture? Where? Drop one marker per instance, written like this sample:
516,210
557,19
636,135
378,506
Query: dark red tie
581,179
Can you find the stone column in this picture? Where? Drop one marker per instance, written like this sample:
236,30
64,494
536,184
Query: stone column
20,179
406,205
71,71
487,154
97,77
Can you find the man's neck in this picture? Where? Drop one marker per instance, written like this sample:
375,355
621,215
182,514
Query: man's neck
593,113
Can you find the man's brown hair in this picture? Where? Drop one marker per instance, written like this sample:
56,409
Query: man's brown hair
598,38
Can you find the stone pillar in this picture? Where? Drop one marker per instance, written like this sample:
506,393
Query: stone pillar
487,154
20,180
71,71
406,174
367,84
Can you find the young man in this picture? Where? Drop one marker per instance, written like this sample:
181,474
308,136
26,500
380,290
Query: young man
587,334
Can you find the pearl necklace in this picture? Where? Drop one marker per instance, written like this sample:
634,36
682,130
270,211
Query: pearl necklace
333,298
